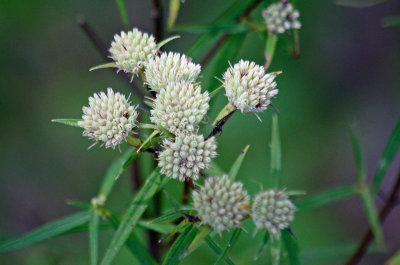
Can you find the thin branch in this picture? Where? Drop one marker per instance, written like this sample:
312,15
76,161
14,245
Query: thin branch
218,127
366,240
102,49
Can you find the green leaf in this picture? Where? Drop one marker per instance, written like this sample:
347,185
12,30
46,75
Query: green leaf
359,3
358,157
393,21
216,91
47,231
215,170
372,214
103,66
169,215
275,153
234,237
214,246
326,197
263,245
395,260
276,246
390,151
162,43
180,245
123,13
132,215
199,29
69,122
94,237
148,139
291,247
270,45
174,6
159,228
204,231
116,168
238,163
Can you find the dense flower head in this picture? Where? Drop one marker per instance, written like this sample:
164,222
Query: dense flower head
180,107
221,203
184,157
109,118
248,87
272,210
132,50
170,67
280,17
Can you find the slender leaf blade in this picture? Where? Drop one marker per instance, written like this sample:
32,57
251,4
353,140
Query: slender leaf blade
94,237
275,153
69,122
123,13
234,237
395,260
263,245
358,157
372,214
291,247
393,21
238,163
174,6
217,249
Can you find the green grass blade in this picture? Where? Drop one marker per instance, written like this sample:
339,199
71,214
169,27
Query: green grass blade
204,231
115,170
214,170
372,214
359,3
69,122
132,215
358,157
270,45
326,197
180,246
390,151
263,245
123,13
217,249
47,231
395,260
291,247
103,66
238,163
391,21
198,29
159,228
174,6
94,237
234,237
275,153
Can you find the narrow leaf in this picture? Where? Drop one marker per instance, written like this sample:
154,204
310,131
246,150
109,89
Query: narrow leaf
123,13
159,228
162,43
132,215
390,151
94,237
173,13
47,231
391,21
234,237
69,122
148,139
275,153
395,260
263,245
215,170
291,247
217,249
372,214
238,163
169,215
270,45
326,197
198,29
103,66
180,246
204,231
276,246
359,3
358,157
216,91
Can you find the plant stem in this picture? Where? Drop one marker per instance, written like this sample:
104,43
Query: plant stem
366,240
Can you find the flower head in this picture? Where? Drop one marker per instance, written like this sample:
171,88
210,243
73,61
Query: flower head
132,50
180,107
280,17
184,157
170,67
248,87
109,118
221,203
272,210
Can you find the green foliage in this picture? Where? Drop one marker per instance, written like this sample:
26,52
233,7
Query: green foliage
234,237
275,153
238,163
94,237
174,6
69,122
123,13
291,247
393,21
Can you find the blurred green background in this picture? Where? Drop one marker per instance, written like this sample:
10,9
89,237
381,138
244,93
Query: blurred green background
348,72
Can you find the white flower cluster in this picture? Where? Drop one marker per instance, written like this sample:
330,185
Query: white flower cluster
280,17
272,210
187,154
131,51
221,203
170,67
109,118
180,107
248,87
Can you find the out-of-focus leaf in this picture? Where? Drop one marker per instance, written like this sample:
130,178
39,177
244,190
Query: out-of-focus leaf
217,249
390,151
291,247
359,3
358,157
169,215
173,13
326,197
47,231
160,228
123,13
234,237
262,246
198,29
204,231
270,45
395,260
94,237
180,246
103,66
391,21
372,214
69,122
132,215
115,170
276,249
275,153
238,163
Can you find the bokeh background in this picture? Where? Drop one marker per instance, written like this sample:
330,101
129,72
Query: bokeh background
348,73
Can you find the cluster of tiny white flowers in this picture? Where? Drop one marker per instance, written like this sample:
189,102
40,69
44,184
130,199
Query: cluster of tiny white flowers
280,17
180,107
187,154
248,87
131,51
272,210
170,67
109,118
221,203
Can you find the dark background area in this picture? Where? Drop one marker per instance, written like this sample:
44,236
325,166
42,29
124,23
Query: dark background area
348,72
